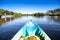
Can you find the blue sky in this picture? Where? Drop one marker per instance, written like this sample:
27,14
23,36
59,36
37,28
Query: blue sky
29,6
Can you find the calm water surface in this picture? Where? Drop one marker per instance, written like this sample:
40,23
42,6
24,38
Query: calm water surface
10,26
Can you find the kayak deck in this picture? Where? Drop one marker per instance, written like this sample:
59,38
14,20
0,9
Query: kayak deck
31,29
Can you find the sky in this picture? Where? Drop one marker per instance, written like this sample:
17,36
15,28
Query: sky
29,6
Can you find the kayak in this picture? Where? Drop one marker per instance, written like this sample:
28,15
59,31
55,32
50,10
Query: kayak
31,31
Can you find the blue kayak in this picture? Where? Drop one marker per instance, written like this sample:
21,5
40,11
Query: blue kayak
31,31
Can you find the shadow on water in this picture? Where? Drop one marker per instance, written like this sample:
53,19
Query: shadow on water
50,24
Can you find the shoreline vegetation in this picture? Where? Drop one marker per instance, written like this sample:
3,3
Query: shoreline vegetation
55,12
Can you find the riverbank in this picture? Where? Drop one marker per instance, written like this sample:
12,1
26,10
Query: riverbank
6,13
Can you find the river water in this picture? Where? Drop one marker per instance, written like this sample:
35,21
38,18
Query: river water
10,26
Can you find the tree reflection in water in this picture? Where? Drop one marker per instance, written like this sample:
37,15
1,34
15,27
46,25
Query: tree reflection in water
4,20
54,18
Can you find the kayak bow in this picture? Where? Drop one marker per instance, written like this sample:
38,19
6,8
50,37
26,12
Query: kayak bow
31,31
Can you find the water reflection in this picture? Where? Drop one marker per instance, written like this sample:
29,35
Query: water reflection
44,19
4,20
54,18
39,16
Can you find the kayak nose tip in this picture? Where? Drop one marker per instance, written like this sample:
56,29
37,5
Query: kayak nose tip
30,20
